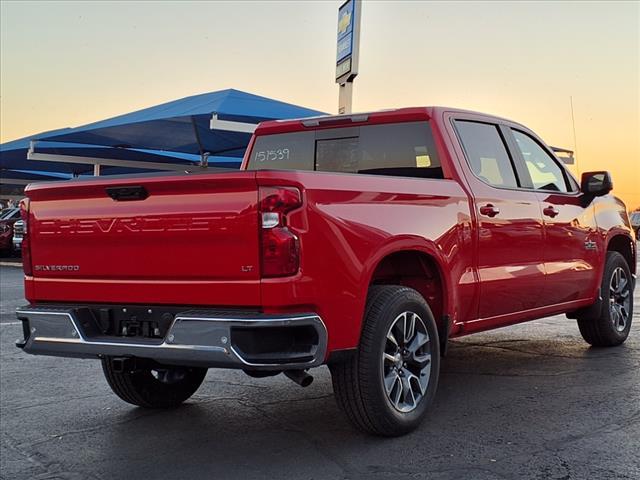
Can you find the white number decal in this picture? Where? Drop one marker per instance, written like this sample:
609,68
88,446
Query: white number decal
271,155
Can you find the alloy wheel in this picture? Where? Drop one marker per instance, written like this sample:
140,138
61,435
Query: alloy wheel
619,299
406,361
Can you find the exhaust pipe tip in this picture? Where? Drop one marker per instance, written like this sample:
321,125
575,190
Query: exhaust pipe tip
301,377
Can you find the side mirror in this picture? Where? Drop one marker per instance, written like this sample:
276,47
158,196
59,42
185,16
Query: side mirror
596,184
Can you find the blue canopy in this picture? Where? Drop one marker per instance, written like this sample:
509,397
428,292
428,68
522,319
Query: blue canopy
13,156
184,125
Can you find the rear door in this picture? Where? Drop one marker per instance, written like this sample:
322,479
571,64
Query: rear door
510,233
570,247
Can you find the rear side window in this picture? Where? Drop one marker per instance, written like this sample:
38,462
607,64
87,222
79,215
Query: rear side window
398,149
486,153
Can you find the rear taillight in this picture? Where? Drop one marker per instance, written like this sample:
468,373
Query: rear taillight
280,247
26,243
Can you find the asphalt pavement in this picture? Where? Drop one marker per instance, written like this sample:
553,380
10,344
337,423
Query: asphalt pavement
531,401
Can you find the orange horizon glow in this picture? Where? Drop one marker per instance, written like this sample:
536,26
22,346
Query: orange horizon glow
65,64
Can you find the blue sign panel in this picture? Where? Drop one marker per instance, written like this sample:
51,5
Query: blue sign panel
346,19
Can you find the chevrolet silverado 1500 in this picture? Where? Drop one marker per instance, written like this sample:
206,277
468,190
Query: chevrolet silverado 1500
363,242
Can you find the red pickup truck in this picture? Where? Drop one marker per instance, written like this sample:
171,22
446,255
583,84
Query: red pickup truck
363,242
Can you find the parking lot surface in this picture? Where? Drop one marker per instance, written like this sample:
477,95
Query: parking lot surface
530,401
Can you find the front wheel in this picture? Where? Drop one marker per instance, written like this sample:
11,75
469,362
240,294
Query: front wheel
158,386
613,325
388,385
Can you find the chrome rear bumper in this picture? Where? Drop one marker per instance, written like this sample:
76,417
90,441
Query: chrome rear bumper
195,338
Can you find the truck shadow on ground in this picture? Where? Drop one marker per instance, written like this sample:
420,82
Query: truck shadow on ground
498,402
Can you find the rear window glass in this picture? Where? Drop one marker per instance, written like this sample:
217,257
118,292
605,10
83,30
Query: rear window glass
400,149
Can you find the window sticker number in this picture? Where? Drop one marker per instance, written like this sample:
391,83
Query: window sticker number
272,155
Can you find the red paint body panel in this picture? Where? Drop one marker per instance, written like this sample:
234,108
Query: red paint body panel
195,239
167,248
571,270
349,224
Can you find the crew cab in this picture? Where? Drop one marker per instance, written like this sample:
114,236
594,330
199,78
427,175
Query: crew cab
362,241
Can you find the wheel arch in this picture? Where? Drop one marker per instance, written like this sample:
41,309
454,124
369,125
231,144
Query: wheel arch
625,246
419,265
617,241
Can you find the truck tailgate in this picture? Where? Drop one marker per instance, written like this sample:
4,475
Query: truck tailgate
180,238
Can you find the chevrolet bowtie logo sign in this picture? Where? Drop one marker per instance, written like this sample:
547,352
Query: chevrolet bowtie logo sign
344,22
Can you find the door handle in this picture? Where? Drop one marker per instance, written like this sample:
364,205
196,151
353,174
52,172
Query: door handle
551,211
489,210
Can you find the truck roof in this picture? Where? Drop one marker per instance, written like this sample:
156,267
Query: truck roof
396,115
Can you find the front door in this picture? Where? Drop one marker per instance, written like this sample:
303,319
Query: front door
570,255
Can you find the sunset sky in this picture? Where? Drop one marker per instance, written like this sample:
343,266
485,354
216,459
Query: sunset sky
69,63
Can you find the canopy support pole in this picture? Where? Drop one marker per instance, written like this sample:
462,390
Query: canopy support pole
96,170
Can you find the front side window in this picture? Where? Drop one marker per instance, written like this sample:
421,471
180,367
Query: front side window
545,173
486,153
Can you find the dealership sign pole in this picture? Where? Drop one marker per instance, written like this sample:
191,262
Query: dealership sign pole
347,51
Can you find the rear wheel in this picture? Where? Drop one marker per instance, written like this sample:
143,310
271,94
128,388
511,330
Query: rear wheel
387,386
157,386
612,326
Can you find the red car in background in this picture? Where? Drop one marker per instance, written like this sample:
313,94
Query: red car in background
8,217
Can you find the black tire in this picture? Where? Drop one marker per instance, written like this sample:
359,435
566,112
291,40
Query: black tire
358,382
161,387
603,331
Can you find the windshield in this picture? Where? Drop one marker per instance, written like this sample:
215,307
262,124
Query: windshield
400,149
